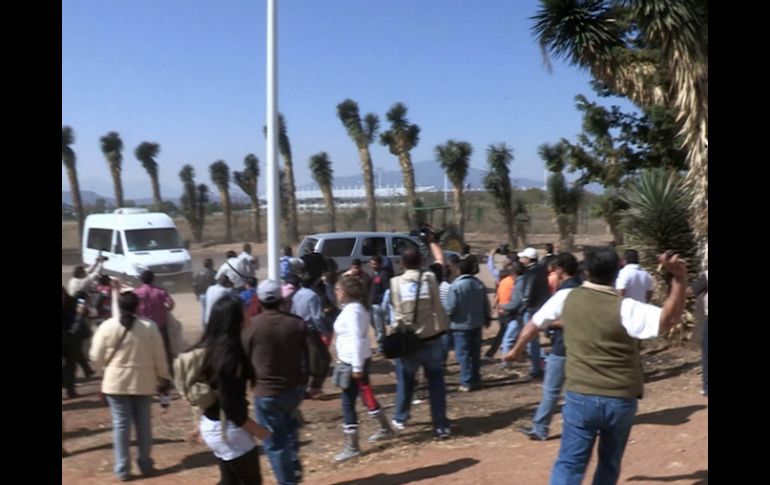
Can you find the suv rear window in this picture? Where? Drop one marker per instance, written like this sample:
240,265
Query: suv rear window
401,243
373,246
99,239
334,248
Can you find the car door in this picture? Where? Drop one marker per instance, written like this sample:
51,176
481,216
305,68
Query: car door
372,246
340,249
397,246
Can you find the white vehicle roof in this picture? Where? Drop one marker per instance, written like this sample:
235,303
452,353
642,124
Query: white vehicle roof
130,218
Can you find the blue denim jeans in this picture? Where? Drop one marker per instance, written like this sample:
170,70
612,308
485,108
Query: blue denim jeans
379,319
127,409
468,355
279,413
202,300
350,394
512,334
447,344
429,356
552,385
585,418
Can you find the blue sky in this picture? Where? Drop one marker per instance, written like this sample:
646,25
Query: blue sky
190,75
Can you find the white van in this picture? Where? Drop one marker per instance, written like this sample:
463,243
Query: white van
134,240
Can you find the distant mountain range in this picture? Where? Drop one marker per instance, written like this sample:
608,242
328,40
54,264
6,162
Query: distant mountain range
426,173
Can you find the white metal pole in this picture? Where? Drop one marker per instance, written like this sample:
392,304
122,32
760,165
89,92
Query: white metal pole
273,199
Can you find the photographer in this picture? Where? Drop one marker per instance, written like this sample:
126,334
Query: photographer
430,237
504,251
83,279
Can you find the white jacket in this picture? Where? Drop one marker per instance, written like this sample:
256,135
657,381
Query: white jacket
352,329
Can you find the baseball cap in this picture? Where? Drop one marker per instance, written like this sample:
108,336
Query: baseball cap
530,253
269,291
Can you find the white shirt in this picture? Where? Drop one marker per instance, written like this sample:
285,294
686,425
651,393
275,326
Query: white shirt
214,293
226,269
641,320
635,281
247,264
352,329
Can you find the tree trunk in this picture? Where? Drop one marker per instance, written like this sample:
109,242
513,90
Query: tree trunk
457,195
257,229
371,202
118,185
329,200
156,192
508,214
411,196
225,196
77,202
291,199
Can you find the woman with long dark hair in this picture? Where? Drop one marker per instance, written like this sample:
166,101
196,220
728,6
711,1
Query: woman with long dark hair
227,369
131,351
352,329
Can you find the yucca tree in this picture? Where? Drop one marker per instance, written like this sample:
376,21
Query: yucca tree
401,138
656,218
321,169
522,221
454,157
203,199
610,208
362,133
247,181
146,153
284,148
220,176
69,159
655,52
190,202
112,147
497,181
565,204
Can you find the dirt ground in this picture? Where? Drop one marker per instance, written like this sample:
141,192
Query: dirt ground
669,441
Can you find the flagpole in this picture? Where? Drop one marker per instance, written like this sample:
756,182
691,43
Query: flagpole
273,199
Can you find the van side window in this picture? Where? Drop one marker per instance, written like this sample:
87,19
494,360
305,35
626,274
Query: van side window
400,244
373,246
99,239
336,248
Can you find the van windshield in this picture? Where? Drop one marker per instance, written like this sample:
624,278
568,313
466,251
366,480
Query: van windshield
152,239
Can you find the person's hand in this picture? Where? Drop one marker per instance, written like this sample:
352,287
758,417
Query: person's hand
674,264
357,374
510,356
262,433
115,283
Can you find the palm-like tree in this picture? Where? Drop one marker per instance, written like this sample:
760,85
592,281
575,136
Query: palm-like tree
454,157
522,221
146,153
247,181
284,148
220,176
497,181
69,159
363,134
655,52
321,169
400,139
112,147
565,203
203,199
190,202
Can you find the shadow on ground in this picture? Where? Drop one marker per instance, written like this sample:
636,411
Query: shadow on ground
669,417
702,477
409,476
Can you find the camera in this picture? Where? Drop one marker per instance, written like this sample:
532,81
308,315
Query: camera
503,249
426,233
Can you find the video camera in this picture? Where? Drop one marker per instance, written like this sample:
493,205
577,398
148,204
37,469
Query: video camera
503,250
426,233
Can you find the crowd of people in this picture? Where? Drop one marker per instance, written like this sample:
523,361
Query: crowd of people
272,339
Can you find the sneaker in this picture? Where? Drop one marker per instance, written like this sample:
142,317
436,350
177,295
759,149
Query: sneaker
443,433
464,388
704,392
531,434
398,425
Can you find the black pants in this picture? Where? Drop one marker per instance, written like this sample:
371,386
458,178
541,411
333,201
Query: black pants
319,359
70,352
243,470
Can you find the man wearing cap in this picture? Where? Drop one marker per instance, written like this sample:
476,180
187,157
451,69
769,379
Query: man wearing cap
276,344
530,292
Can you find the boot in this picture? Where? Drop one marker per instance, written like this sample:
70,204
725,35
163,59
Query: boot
385,431
351,449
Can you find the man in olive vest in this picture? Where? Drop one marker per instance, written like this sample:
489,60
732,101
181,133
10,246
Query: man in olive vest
603,369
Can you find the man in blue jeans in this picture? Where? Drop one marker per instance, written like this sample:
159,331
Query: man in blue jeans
603,369
276,344
429,322
565,267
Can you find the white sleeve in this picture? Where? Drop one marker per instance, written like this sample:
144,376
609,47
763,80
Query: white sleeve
641,320
551,309
621,281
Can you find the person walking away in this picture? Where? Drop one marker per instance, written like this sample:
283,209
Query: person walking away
306,304
380,283
276,345
352,345
222,287
203,279
227,369
230,269
429,325
155,303
633,281
130,351
468,312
